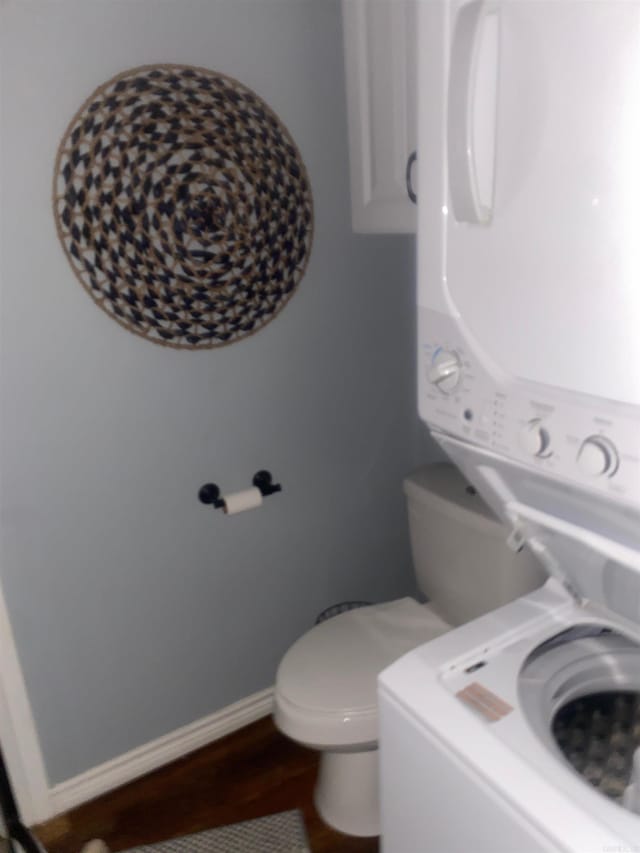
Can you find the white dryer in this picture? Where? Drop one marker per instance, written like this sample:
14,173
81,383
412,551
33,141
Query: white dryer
517,731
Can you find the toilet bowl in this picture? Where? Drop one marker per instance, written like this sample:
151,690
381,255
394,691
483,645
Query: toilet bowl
325,691
326,699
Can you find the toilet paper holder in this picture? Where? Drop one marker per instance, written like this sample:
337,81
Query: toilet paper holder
262,480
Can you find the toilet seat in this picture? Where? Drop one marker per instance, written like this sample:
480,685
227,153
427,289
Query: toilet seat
326,682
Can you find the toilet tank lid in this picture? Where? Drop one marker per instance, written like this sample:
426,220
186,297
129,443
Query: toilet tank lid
442,481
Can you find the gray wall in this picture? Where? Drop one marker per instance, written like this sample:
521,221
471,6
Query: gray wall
136,609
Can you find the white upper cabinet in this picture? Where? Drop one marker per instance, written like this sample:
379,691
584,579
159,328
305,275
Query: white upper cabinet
380,64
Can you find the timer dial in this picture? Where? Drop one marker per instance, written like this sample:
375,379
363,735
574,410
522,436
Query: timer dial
598,457
445,371
535,439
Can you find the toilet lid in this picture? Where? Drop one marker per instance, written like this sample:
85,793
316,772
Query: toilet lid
334,666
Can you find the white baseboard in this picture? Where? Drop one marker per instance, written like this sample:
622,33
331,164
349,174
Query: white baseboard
105,777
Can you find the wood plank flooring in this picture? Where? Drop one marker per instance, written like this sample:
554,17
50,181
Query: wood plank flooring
251,773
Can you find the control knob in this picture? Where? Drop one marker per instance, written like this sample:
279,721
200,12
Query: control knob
535,439
598,457
445,371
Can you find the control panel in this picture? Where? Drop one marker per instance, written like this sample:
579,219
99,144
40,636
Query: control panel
562,434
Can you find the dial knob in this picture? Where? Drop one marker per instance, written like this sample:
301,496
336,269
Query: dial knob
598,457
445,371
534,438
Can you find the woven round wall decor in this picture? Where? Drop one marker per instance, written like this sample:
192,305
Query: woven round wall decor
183,205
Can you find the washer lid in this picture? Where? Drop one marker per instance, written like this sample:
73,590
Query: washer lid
590,543
333,667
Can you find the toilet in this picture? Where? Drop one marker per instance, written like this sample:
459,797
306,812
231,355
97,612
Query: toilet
325,692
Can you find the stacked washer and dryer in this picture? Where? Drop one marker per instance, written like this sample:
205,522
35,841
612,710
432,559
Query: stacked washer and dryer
520,731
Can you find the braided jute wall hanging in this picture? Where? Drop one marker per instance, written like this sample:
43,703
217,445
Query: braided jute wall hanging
183,205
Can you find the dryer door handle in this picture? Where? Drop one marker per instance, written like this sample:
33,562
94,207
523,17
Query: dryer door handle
472,108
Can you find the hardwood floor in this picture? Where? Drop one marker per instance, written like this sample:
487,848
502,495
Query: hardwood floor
248,774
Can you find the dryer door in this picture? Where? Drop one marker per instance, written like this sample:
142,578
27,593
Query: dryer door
533,238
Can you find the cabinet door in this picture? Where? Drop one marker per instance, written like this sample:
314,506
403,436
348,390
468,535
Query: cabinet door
380,64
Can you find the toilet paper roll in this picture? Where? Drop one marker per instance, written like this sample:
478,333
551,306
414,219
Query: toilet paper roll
241,501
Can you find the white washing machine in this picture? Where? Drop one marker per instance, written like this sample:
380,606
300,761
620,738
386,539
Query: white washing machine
514,734
517,732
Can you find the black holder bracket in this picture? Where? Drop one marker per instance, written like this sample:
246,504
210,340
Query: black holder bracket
262,480
210,494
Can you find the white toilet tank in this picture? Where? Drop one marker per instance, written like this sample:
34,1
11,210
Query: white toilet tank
462,562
